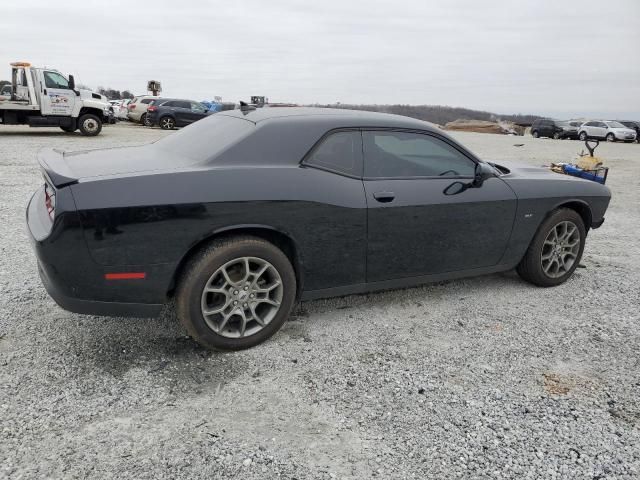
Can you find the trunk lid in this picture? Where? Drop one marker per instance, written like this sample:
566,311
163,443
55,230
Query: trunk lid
66,168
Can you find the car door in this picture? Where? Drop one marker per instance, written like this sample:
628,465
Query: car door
57,97
182,112
414,227
197,111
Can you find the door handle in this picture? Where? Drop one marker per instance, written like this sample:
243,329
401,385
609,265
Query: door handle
384,197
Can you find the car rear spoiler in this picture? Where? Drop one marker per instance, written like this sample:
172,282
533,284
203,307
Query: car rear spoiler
55,168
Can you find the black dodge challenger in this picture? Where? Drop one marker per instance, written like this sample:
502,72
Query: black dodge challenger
247,211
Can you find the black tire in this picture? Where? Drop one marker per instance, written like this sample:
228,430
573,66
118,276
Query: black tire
143,119
535,134
556,136
146,120
89,125
68,129
530,267
583,136
610,137
197,274
167,123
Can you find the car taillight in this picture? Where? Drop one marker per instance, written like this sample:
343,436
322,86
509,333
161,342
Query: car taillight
49,200
132,106
152,109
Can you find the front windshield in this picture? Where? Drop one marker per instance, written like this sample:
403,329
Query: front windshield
615,125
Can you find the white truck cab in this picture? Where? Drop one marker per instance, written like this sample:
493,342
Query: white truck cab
43,97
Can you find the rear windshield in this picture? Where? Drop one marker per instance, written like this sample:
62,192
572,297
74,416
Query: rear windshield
206,138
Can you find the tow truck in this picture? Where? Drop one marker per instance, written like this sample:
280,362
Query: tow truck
44,97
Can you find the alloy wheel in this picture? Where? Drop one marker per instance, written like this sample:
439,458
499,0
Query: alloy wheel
167,123
560,249
242,297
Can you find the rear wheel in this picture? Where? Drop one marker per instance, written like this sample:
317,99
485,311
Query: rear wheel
167,123
535,134
583,136
556,136
556,249
236,293
146,120
90,125
143,119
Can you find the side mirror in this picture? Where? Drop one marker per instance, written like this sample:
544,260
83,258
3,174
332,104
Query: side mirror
72,82
484,171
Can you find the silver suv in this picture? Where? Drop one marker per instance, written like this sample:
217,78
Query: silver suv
608,130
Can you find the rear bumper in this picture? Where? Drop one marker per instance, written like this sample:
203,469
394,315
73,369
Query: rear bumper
74,280
93,307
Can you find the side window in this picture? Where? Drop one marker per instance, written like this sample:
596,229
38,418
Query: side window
186,105
197,107
404,154
168,104
55,80
146,100
340,152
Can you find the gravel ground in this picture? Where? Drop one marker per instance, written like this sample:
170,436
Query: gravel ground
480,378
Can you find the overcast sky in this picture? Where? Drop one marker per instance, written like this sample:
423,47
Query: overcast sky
549,57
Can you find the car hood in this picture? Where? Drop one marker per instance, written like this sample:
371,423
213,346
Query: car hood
528,181
64,168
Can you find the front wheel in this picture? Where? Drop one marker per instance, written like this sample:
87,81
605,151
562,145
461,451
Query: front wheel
611,137
556,136
236,293
89,125
583,136
556,249
167,123
535,134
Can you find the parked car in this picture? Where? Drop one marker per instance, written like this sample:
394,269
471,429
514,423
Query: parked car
138,108
170,113
633,125
608,130
259,208
546,127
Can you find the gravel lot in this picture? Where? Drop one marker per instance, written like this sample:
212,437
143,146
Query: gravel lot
479,378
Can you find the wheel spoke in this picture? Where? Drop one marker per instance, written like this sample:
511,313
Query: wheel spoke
243,323
267,289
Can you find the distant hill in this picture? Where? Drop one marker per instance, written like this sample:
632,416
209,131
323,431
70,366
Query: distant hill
437,113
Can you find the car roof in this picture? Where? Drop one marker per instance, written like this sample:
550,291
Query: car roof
338,116
176,100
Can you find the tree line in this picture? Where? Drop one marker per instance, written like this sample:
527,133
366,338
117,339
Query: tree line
438,114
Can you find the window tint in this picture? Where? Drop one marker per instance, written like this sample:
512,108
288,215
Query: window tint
401,154
197,107
55,80
181,104
168,104
146,100
340,151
